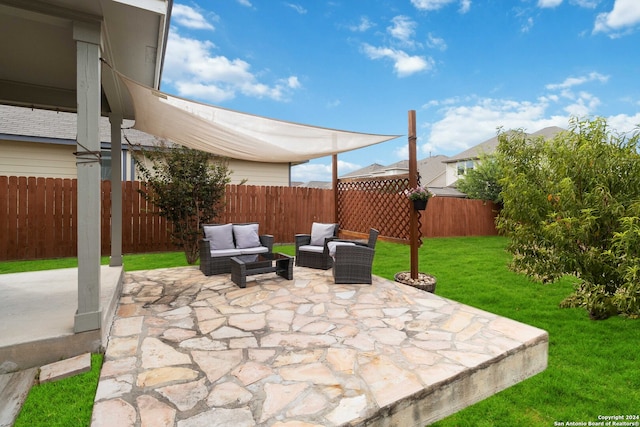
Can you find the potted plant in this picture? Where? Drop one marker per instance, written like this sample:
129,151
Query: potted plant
419,196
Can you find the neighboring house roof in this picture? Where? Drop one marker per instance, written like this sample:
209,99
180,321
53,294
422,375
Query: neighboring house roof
432,170
317,184
490,145
27,124
364,172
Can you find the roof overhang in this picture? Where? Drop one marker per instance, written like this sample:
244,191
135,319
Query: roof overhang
39,54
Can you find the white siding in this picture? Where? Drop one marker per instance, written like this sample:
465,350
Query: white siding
19,158
259,173
36,159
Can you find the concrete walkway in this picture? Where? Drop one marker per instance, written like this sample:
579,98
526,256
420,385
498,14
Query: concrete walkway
37,312
187,350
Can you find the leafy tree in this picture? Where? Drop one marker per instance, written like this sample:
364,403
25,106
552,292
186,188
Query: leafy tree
483,181
188,187
572,206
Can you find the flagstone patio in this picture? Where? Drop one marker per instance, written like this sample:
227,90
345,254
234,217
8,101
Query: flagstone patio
187,350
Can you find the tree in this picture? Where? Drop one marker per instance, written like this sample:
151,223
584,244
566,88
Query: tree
483,181
188,188
572,206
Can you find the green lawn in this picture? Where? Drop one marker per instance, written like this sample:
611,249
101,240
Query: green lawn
594,366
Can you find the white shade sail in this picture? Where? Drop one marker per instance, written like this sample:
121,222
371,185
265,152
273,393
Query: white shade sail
237,135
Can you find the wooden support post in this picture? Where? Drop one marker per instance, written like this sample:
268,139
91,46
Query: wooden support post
335,187
413,182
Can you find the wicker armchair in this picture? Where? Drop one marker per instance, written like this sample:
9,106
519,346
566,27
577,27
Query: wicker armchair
353,261
314,255
218,261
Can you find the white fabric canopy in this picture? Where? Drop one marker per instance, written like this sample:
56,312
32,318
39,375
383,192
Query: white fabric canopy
237,135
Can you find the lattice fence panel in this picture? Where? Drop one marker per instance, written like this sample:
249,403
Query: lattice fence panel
378,203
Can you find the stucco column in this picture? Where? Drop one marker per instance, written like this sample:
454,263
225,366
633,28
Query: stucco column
87,36
116,190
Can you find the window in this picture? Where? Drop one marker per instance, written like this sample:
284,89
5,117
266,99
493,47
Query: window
464,167
105,170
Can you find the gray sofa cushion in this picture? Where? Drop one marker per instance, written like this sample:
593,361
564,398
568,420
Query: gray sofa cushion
215,253
311,248
320,231
220,236
246,236
256,250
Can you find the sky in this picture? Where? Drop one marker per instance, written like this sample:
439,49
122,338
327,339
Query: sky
466,67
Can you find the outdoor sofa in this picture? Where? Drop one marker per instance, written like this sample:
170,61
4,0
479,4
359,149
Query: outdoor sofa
311,249
221,242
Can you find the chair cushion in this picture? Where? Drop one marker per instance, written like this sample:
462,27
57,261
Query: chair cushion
219,236
320,231
246,236
332,247
254,250
311,248
215,253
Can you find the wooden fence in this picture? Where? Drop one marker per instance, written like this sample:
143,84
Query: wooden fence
38,216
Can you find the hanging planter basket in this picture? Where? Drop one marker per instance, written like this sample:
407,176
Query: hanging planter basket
425,282
420,205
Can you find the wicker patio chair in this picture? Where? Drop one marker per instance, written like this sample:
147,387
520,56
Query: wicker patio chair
311,249
353,261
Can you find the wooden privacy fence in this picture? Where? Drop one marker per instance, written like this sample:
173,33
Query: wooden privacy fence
38,216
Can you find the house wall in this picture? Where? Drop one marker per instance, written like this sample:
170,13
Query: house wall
451,173
45,160
256,173
37,159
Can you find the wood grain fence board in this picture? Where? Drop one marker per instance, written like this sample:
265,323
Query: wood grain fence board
4,215
23,219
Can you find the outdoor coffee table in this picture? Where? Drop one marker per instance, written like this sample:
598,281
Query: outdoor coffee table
248,265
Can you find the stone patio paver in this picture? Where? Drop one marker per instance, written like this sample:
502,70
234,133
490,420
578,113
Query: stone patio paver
188,350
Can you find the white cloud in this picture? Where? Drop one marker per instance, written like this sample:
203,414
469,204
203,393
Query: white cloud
403,63
589,4
624,123
188,17
195,72
464,126
623,17
465,5
468,121
403,29
549,3
245,3
362,26
436,42
319,170
301,10
575,81
526,27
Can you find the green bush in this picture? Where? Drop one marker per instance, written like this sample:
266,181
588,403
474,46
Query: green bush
571,206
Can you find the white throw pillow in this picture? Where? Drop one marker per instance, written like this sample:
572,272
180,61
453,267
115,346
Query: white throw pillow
219,236
320,231
246,236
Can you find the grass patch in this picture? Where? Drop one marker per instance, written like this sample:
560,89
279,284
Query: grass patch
63,403
593,365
